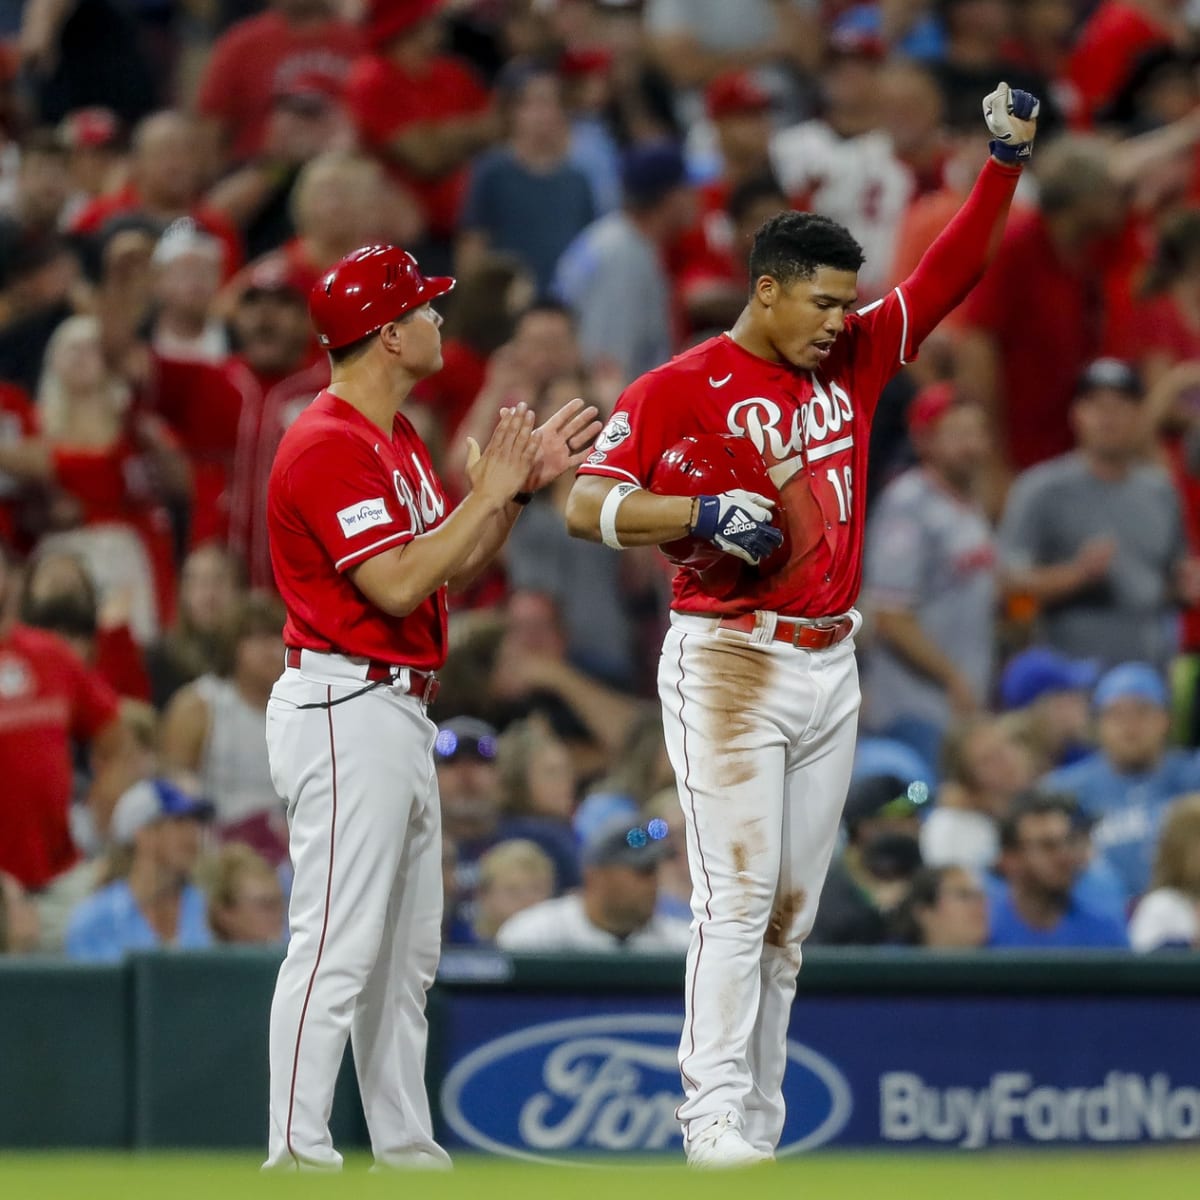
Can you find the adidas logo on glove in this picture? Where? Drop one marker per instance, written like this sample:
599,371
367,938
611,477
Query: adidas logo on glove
738,523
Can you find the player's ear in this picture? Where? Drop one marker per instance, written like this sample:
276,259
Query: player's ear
767,290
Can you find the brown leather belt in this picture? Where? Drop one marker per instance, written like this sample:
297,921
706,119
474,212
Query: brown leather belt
802,635
422,684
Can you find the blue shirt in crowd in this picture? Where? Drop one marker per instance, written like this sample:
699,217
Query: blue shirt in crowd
532,214
1080,927
1128,809
109,924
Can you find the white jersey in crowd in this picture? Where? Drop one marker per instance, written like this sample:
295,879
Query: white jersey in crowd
956,837
562,925
1165,919
857,181
234,770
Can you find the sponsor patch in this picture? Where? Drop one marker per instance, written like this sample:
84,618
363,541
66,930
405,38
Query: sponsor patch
364,515
614,433
596,457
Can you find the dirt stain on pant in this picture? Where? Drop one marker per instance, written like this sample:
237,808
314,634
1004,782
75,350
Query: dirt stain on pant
736,678
779,927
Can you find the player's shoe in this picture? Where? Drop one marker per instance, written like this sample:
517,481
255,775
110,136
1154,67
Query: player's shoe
720,1146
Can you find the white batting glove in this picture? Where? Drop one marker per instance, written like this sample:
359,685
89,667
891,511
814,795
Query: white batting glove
1011,116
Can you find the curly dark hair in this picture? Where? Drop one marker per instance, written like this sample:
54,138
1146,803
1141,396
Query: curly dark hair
795,245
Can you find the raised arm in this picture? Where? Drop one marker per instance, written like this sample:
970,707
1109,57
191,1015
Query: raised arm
960,254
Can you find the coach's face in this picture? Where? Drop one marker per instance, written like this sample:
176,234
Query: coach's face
419,341
803,319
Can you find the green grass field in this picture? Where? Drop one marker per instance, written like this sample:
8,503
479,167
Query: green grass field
1141,1175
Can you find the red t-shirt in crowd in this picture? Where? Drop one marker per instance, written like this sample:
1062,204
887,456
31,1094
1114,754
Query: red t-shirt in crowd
256,58
94,215
1159,328
18,420
47,699
385,100
341,492
1048,322
1111,41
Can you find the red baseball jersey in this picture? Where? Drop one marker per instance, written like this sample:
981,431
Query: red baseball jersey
48,698
811,427
341,492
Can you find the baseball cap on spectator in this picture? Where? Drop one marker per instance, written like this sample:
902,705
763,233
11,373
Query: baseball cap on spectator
648,173
387,20
90,129
465,738
1039,672
930,405
308,89
1111,373
1131,680
882,796
734,93
151,800
184,237
271,278
619,843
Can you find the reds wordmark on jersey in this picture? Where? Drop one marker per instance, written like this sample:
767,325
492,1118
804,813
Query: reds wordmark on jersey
812,429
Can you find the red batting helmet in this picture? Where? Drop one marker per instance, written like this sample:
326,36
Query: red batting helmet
365,290
707,465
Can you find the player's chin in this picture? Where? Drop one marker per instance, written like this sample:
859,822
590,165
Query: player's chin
807,357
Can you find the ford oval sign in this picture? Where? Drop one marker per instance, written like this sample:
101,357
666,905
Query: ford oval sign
609,1084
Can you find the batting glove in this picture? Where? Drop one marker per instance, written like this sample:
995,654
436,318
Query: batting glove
1011,115
738,522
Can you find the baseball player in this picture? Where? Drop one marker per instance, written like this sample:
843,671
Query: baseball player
364,549
759,687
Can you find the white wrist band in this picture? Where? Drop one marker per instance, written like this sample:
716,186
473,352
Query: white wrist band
608,513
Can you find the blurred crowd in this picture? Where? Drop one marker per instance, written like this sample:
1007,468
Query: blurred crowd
174,177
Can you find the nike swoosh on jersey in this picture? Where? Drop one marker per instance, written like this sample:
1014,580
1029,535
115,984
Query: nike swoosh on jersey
719,383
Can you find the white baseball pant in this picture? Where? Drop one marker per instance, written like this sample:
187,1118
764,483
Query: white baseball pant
761,736
365,912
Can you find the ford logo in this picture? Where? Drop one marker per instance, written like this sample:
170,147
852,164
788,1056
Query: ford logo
609,1083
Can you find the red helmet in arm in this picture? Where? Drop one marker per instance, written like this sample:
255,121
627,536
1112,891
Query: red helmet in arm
706,465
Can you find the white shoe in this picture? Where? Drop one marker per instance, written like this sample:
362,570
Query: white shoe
720,1145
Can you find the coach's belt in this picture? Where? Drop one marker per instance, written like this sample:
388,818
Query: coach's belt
422,684
804,635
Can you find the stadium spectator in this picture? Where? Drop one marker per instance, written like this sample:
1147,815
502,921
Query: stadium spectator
259,55
842,163
18,918
95,144
929,579
43,186
112,469
531,674
1095,537
469,788
214,729
913,114
165,182
640,771
514,875
537,776
147,899
1023,361
674,874
525,197
422,111
1128,784
211,585
614,911
277,375
1107,48
979,44
1168,915
1048,694
614,277
481,369
945,908
60,597
245,901
871,876
985,768
1037,908
187,274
